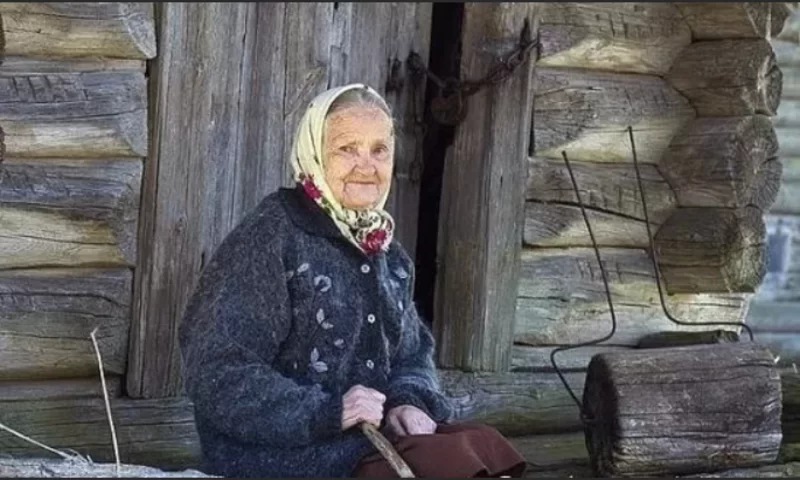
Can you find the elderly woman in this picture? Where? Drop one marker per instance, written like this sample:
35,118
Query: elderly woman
303,324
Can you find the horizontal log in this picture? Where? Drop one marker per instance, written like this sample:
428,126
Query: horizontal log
20,390
587,114
125,30
525,358
712,250
69,212
714,162
729,78
28,66
514,403
610,193
562,299
74,114
48,316
159,433
661,412
554,225
786,53
620,37
716,20
790,168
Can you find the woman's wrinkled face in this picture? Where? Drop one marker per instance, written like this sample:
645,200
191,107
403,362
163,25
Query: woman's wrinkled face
358,147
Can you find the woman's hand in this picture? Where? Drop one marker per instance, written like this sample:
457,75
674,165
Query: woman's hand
410,420
362,404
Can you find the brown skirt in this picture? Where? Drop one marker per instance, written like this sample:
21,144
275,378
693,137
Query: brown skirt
454,451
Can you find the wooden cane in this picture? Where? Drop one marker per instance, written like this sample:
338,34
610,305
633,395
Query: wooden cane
388,451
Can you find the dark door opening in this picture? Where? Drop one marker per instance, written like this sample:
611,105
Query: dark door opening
444,62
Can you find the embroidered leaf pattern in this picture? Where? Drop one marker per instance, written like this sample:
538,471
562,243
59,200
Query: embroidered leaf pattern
324,280
289,275
316,364
320,316
327,325
302,268
401,273
338,343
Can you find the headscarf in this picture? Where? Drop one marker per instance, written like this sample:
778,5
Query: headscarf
370,230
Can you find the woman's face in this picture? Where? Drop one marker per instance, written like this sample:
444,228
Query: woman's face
358,147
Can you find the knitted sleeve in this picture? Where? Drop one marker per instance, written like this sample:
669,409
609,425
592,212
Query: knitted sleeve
229,337
414,380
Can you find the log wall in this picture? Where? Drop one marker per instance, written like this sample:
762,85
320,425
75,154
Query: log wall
700,85
73,148
774,312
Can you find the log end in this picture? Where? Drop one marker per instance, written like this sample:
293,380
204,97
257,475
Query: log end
138,22
712,250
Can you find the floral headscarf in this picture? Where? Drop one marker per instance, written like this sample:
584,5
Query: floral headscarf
370,230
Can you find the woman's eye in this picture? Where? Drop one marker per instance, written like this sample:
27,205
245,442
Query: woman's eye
381,150
347,149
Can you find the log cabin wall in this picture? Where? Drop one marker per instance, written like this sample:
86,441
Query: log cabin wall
74,145
699,84
775,309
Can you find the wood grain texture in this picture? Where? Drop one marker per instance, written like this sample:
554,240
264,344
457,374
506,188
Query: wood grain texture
610,193
712,250
729,77
518,403
72,112
48,315
233,97
716,20
526,358
683,410
480,238
79,29
791,81
562,299
621,37
25,390
159,433
715,162
587,114
788,114
62,212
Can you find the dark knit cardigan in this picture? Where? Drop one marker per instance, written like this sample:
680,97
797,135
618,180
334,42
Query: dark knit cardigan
285,318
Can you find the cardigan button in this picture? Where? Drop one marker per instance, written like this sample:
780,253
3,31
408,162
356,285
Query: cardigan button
365,268
371,318
370,364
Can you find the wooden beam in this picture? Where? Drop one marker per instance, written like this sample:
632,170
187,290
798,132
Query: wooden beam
716,20
725,78
48,316
712,250
608,103
69,212
518,403
620,37
66,112
159,433
715,162
480,227
610,193
79,29
527,358
24,390
562,299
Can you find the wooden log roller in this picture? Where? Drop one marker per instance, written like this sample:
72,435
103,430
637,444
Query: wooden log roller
675,406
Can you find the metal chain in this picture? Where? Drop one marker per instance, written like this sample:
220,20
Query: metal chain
449,107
